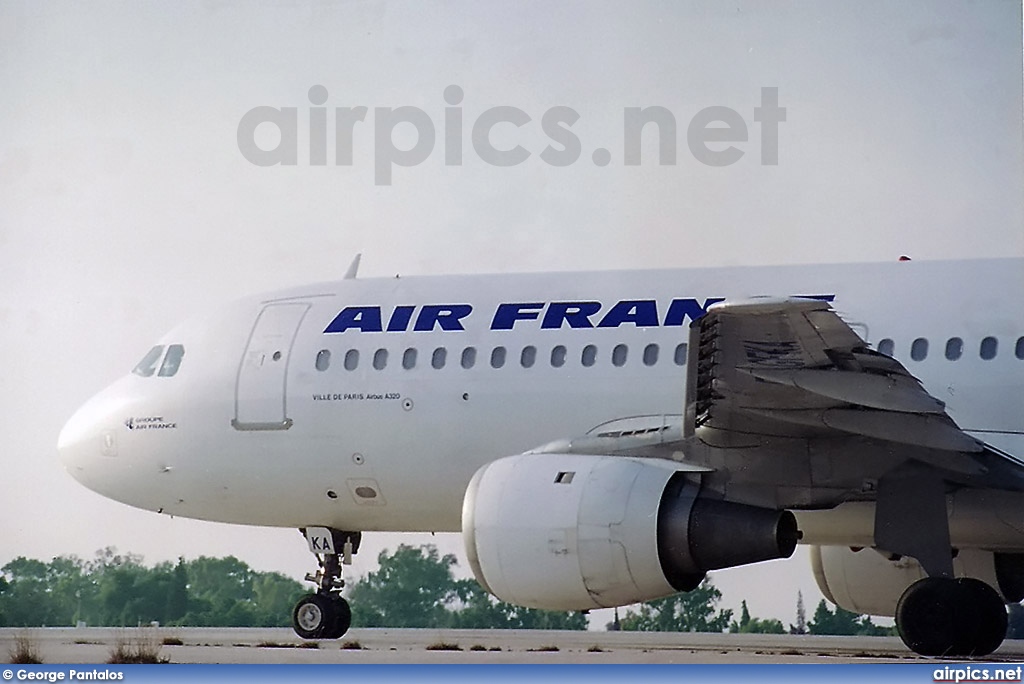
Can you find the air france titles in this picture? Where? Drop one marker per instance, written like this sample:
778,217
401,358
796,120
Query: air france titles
641,313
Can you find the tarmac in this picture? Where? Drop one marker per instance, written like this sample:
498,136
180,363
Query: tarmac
444,646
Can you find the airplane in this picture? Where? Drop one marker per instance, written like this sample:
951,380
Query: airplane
601,439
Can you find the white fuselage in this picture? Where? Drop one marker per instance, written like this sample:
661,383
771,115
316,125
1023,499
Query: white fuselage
259,427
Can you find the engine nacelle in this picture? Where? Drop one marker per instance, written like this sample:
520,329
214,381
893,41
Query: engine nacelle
865,581
575,532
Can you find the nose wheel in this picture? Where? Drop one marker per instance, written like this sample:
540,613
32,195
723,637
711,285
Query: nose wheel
320,616
325,614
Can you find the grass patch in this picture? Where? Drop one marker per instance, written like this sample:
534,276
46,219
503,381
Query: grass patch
279,644
443,646
595,649
24,651
143,649
273,644
543,649
86,642
173,641
494,648
477,647
351,646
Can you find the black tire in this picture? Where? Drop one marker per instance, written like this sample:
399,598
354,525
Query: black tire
314,616
342,618
925,617
937,616
981,616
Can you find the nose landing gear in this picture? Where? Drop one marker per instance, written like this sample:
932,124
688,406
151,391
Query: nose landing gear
321,617
325,614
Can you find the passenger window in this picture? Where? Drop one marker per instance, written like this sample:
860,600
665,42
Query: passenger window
323,359
439,358
680,355
589,355
469,357
1018,351
558,356
351,359
528,357
409,359
954,348
380,359
919,349
497,357
989,348
886,347
650,355
619,354
147,366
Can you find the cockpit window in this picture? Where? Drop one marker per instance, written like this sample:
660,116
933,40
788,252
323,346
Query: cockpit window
175,352
147,366
172,361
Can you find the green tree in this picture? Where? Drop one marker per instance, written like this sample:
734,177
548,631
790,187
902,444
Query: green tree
220,593
68,585
843,622
480,610
692,611
801,616
219,580
413,587
118,590
132,594
177,594
749,625
534,618
274,596
826,621
26,603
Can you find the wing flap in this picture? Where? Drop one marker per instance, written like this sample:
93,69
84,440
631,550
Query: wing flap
900,393
926,431
793,367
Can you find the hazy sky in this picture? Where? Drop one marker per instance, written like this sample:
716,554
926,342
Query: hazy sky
127,205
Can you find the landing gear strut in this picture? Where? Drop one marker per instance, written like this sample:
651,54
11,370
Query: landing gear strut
325,614
940,616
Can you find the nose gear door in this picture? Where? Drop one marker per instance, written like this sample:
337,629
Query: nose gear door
261,389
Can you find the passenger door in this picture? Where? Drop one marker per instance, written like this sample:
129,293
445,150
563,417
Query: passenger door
261,390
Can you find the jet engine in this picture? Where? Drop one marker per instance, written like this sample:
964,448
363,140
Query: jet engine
865,581
575,532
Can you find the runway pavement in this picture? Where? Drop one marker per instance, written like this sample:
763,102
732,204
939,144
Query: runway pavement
218,645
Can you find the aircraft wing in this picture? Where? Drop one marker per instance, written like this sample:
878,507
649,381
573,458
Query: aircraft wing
792,368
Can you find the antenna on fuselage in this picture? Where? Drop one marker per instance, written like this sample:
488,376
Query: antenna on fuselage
353,268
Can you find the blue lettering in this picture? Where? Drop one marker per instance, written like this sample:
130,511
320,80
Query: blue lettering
448,316
679,309
576,314
507,314
642,313
400,318
363,318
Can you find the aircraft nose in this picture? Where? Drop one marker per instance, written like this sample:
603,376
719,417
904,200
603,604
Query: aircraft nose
88,443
